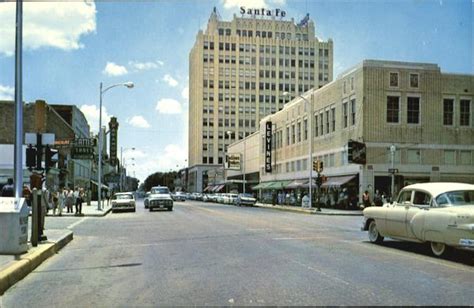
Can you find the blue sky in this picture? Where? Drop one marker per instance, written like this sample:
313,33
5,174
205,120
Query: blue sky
71,47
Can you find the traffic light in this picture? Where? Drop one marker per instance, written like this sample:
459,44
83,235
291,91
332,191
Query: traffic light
50,158
320,166
30,157
356,152
315,165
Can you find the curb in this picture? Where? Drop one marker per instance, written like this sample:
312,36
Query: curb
19,269
308,212
84,215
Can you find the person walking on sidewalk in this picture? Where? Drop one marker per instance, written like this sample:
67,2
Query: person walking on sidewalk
69,200
79,200
366,199
8,190
76,200
62,195
55,201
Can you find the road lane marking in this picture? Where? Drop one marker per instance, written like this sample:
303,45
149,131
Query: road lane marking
76,223
300,238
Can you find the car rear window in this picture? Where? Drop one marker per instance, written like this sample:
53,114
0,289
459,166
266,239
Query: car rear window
160,190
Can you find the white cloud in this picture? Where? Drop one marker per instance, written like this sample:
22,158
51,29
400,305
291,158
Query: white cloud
168,106
54,24
6,93
185,93
138,121
144,66
170,80
171,158
91,113
112,69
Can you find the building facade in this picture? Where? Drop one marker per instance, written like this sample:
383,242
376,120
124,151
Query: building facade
408,117
239,70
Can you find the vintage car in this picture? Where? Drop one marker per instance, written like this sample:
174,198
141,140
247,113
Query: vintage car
160,198
178,196
123,201
441,214
245,199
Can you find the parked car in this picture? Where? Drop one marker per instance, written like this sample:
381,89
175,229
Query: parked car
145,201
178,196
245,199
160,198
441,214
229,198
123,201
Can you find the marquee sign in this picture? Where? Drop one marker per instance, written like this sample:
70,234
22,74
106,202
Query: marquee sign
113,127
232,161
268,146
83,148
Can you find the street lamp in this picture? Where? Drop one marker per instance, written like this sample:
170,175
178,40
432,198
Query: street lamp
121,163
99,173
310,151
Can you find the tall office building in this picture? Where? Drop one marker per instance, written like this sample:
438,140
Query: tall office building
238,72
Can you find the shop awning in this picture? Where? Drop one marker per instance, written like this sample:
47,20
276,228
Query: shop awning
296,184
97,184
278,184
337,181
261,186
208,188
218,188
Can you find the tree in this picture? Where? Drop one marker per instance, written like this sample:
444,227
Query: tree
160,179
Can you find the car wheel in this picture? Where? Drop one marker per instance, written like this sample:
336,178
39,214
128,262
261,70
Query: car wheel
150,209
439,249
170,209
374,235
134,210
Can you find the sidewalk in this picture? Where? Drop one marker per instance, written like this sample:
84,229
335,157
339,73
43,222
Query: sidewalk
87,210
13,268
312,211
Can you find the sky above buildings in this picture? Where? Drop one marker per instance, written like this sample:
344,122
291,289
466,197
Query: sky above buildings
70,47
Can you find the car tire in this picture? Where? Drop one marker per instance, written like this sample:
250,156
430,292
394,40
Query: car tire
150,209
439,249
374,235
170,209
134,210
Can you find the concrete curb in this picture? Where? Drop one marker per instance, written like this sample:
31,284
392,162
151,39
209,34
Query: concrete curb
308,212
84,215
19,269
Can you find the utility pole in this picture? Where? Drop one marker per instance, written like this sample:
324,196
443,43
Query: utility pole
18,149
392,158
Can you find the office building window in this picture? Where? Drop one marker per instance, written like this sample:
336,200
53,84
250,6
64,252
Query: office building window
466,157
293,134
448,111
305,127
465,112
414,80
288,136
333,119
413,156
450,157
327,121
393,109
316,130
344,114
413,110
298,132
394,79
353,111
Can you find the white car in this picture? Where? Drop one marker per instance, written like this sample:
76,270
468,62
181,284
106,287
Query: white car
441,214
123,201
160,198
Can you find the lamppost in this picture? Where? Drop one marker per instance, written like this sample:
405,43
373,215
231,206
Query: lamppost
121,163
310,151
99,169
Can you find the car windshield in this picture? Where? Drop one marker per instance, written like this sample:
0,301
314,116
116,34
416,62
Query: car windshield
456,198
160,190
123,196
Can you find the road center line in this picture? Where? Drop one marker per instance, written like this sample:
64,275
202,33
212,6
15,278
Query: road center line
76,223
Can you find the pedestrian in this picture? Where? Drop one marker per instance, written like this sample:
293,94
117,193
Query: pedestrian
79,201
305,201
378,198
366,199
62,195
76,200
8,190
55,201
27,195
69,200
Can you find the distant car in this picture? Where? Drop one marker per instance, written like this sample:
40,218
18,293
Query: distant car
229,198
145,201
441,214
123,201
178,196
160,198
245,199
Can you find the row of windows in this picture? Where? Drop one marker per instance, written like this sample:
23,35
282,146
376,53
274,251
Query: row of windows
413,111
228,123
268,49
263,34
413,156
413,80
302,87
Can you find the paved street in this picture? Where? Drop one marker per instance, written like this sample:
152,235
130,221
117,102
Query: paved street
213,254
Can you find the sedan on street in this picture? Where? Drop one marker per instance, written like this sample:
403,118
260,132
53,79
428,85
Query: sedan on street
441,214
123,201
245,199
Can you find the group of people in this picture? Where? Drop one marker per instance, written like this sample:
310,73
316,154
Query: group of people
66,198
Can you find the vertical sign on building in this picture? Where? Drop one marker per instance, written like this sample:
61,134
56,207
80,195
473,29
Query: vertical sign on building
268,146
113,127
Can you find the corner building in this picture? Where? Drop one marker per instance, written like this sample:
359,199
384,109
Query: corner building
427,115
239,70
